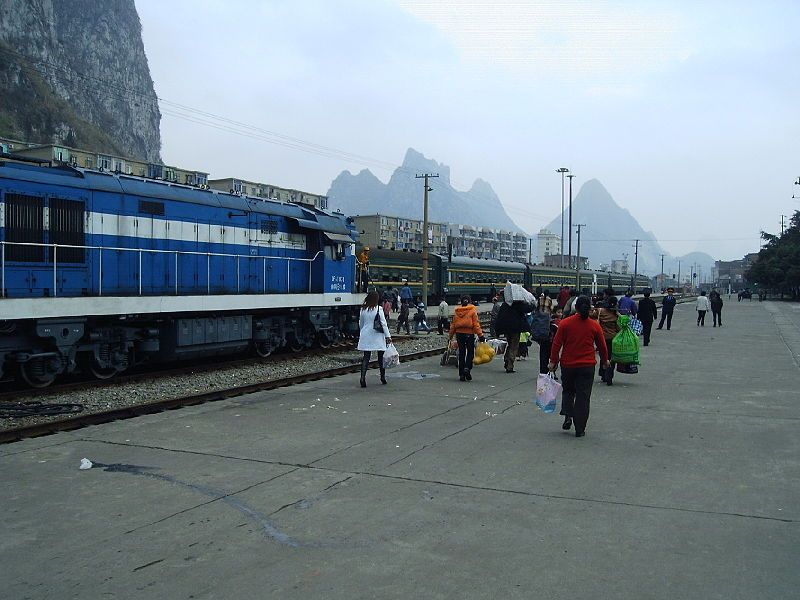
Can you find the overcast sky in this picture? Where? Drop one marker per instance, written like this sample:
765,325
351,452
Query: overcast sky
686,111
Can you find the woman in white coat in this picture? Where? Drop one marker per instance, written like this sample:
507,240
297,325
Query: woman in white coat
374,334
702,307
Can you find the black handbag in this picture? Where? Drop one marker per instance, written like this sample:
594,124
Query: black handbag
376,324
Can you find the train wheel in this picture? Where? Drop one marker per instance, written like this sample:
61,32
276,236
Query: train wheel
324,340
99,372
263,349
88,364
36,374
296,346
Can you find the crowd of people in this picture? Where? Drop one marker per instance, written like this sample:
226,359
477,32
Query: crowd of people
571,330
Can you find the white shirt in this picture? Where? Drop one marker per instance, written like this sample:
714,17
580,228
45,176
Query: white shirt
703,303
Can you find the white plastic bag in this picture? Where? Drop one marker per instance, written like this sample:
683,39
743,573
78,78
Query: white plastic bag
514,292
547,391
391,358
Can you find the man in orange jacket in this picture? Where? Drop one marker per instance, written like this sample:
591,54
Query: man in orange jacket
465,327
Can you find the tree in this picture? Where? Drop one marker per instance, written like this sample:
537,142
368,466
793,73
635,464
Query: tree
778,264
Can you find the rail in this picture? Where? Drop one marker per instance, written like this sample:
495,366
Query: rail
141,251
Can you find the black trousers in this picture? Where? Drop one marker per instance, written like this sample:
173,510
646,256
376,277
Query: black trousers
717,314
466,351
576,391
606,374
544,355
701,317
647,329
401,322
442,324
665,315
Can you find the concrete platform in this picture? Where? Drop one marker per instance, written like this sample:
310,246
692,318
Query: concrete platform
687,485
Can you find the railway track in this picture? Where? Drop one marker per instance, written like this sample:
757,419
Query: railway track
19,391
78,421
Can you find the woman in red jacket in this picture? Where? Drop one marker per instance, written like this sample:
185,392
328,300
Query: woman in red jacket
574,345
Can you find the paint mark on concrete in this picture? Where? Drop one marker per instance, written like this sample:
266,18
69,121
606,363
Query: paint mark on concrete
150,564
269,529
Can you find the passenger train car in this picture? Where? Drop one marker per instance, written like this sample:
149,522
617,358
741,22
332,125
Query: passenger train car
453,277
100,271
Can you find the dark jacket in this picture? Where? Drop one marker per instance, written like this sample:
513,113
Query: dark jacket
648,311
716,302
511,318
668,303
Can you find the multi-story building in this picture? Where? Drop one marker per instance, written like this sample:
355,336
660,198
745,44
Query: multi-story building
485,242
554,260
266,190
619,266
108,162
399,233
730,274
547,244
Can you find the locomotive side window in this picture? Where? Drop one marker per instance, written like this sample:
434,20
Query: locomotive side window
67,227
269,226
151,208
24,223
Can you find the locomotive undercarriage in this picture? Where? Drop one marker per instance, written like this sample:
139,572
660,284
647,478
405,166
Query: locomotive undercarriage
37,352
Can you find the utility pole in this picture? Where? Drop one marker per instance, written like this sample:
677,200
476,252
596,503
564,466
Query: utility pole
679,274
782,224
635,267
578,259
425,176
530,251
570,177
661,276
562,170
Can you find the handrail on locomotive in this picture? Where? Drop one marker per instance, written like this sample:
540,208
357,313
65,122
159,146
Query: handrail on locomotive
177,253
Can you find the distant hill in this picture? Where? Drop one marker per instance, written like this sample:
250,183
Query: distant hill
364,194
610,231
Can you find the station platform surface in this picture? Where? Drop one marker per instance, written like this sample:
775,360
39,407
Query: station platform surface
687,485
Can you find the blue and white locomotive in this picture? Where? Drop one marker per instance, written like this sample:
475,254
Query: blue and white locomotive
101,271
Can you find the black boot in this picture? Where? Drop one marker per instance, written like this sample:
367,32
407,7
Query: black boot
383,375
364,367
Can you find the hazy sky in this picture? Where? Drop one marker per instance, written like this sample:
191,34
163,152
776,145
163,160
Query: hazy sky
686,111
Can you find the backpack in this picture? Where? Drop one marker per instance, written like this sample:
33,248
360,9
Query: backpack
540,326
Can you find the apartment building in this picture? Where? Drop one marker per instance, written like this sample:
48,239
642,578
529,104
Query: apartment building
547,244
266,190
106,162
398,233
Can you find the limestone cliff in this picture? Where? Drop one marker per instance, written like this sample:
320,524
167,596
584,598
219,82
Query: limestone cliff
75,72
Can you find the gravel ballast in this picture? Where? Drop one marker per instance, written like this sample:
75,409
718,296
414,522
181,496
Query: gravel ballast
143,391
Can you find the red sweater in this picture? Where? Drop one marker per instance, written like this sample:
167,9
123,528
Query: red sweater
578,337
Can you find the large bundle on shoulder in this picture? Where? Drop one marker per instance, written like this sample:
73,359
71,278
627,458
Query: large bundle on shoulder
514,292
625,345
517,302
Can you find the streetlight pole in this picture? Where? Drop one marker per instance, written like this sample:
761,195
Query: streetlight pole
562,170
570,176
578,259
679,273
425,176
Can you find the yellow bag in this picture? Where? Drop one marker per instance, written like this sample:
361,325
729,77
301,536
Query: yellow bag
484,353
